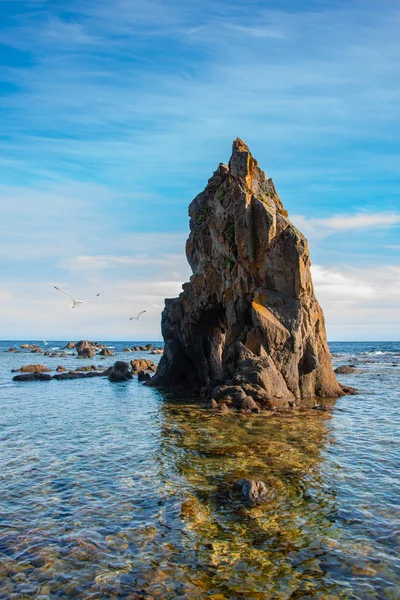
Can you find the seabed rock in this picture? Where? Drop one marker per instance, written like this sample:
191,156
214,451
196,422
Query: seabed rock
247,330
254,492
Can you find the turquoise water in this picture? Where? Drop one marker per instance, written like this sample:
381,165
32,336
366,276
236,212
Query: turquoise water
117,490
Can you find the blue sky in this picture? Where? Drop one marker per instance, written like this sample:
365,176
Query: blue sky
114,113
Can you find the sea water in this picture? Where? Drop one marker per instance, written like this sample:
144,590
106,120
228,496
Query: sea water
122,491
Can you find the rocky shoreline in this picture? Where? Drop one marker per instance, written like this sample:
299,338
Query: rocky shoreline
120,371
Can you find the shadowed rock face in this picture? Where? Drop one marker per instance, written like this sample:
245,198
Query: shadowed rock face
248,320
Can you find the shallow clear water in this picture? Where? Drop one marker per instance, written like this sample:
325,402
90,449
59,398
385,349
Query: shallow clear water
116,490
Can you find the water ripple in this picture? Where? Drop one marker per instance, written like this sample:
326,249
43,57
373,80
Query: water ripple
113,490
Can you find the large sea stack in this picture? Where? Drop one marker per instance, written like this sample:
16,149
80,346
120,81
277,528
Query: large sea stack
247,329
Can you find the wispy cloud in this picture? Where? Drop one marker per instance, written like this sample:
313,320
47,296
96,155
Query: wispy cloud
267,31
359,303
319,228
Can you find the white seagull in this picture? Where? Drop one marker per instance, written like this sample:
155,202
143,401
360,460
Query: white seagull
44,342
137,316
73,300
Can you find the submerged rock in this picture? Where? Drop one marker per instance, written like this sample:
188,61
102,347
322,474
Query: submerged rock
248,319
254,492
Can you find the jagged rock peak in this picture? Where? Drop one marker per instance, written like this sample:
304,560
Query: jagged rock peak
247,329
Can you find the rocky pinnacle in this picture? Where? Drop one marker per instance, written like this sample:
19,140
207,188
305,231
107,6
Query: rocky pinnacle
247,330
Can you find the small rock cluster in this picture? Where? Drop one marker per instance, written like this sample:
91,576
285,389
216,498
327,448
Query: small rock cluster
143,364
146,348
120,371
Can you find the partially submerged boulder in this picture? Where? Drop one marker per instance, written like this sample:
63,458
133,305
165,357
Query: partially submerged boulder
78,375
119,372
105,352
248,319
31,369
70,345
84,349
346,370
143,376
36,376
143,364
349,390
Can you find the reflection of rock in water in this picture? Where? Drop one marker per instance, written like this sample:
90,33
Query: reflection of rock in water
237,550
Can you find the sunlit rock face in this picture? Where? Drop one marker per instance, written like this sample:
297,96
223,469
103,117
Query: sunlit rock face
248,320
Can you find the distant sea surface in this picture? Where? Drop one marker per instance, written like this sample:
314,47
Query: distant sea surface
121,491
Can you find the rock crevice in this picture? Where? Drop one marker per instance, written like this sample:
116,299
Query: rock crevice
248,319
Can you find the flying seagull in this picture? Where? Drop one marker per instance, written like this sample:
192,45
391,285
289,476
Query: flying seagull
137,316
44,342
73,300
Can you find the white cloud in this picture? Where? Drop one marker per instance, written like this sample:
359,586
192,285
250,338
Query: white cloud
265,31
319,228
101,262
359,303
334,283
